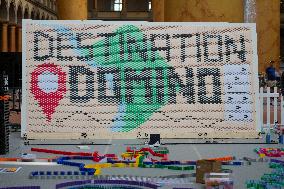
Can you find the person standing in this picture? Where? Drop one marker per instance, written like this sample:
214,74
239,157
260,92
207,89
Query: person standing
271,75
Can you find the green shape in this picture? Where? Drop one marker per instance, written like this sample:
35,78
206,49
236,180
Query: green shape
139,111
188,168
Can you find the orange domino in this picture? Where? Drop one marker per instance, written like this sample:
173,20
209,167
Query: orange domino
5,97
225,158
9,159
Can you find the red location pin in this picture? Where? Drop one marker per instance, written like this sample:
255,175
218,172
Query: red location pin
48,87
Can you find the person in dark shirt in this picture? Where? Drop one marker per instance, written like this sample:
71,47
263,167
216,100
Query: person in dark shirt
271,75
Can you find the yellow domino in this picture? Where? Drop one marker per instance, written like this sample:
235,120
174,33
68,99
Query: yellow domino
98,171
120,165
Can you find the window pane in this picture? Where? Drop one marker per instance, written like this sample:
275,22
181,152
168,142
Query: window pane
117,7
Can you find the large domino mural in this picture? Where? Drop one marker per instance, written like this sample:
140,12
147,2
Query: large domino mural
94,79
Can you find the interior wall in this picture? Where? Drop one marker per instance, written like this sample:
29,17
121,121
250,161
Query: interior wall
204,11
71,10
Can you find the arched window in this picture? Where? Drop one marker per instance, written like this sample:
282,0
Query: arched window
117,5
26,13
37,15
12,13
42,17
3,10
19,14
33,14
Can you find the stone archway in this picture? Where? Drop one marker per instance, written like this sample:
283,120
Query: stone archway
3,10
42,16
20,15
37,16
26,13
33,16
12,13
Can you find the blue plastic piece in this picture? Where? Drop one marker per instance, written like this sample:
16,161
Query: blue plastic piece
34,173
277,161
237,163
267,138
81,166
90,173
83,173
281,139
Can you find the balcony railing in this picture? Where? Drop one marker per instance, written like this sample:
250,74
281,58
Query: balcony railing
42,6
116,15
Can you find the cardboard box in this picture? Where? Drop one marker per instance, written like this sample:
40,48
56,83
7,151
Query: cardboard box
206,166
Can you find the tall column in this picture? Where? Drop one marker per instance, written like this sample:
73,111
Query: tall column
4,45
19,39
158,10
72,9
12,38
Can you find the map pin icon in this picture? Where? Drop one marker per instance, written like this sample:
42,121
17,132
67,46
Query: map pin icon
48,87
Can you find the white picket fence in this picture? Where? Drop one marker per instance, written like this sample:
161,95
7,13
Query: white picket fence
274,102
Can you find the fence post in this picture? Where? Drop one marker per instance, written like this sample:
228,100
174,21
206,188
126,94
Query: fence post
282,109
261,108
19,94
268,108
275,119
